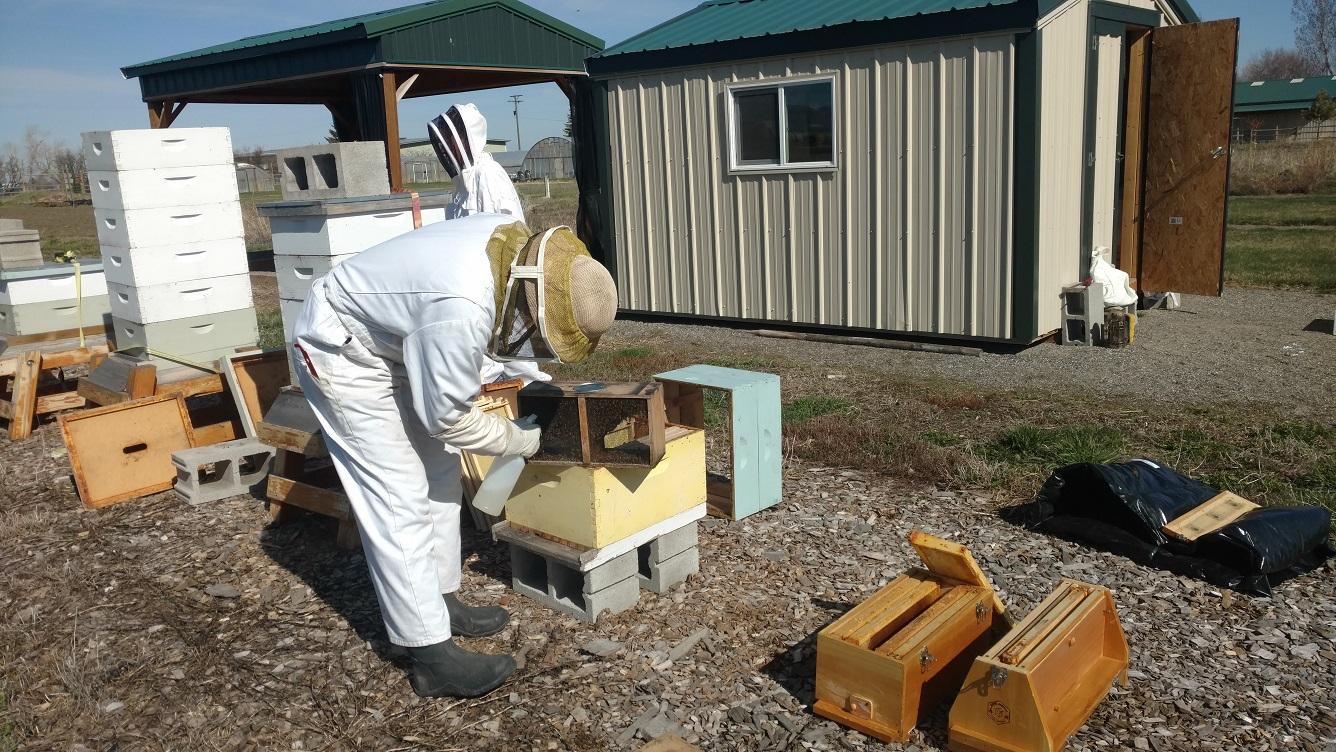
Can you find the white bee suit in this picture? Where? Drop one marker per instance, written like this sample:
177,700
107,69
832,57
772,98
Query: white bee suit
459,137
390,349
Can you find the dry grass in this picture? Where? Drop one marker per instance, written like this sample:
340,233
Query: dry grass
258,237
1268,169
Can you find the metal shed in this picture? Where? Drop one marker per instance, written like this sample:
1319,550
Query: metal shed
930,167
360,67
552,157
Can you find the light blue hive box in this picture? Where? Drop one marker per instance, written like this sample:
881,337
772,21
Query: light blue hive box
754,411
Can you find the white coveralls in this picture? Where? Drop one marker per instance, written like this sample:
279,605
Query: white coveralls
459,136
390,349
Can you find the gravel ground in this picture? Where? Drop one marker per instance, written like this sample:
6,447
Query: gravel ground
151,625
1249,346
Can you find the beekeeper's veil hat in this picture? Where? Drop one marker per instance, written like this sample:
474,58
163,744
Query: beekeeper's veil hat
554,301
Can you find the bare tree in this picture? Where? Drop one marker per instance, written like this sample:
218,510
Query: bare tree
68,165
11,167
1269,65
1315,32
36,151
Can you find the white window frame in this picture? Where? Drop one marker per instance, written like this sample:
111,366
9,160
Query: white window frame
784,165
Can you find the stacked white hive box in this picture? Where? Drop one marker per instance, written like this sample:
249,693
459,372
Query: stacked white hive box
173,246
49,298
313,236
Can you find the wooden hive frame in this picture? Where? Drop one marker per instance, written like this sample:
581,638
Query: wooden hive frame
124,451
1040,682
905,650
610,425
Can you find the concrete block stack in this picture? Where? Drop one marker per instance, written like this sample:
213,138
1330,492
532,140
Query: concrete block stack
19,248
173,246
336,204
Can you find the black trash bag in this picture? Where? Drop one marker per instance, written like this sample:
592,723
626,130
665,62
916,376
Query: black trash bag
1121,508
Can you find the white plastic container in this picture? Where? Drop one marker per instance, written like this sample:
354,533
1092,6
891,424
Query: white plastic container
158,265
145,148
296,274
140,228
494,491
166,186
56,285
178,300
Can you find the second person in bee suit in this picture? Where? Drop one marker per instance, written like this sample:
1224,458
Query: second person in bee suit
459,137
389,351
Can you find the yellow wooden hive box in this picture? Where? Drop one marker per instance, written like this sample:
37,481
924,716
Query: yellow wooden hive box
591,507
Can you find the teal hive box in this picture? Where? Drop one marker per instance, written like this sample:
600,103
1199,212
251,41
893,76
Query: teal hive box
754,426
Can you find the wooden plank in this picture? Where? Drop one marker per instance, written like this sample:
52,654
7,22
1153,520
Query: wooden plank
23,399
28,339
389,90
142,381
54,403
1189,110
255,380
71,357
215,433
935,624
124,451
890,610
1220,510
1134,150
305,496
98,394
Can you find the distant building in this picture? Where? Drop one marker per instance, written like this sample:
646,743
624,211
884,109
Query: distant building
421,164
1277,110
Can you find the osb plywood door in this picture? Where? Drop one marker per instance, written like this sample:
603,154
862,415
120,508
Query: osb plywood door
1187,157
124,451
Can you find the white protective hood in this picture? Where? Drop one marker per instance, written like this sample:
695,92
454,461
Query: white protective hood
459,136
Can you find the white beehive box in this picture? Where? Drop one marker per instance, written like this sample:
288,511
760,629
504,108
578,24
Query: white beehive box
178,300
296,274
343,235
52,283
290,309
158,265
197,338
139,228
147,148
167,186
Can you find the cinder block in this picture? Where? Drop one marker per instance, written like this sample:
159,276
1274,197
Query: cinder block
52,316
671,544
146,148
50,283
662,576
195,335
220,471
162,264
296,274
20,249
163,186
140,228
9,225
178,300
612,587
338,170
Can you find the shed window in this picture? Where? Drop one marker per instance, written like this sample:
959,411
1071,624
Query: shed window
789,125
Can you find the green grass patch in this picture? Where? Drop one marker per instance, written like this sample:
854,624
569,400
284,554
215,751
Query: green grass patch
271,330
937,438
1282,210
1303,259
805,409
1051,448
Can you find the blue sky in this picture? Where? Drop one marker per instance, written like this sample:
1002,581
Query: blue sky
60,60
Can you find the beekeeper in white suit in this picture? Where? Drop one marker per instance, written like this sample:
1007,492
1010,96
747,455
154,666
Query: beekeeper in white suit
459,137
389,350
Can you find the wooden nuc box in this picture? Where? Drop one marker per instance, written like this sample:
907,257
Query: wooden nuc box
597,425
1045,677
905,650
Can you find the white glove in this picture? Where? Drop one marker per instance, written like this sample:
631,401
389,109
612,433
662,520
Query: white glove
491,435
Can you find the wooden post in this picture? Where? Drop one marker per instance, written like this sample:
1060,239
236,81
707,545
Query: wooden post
1134,142
156,114
142,381
390,96
27,372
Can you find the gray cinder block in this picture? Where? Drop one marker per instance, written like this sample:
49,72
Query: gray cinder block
221,471
662,576
20,249
9,225
668,545
611,587
339,170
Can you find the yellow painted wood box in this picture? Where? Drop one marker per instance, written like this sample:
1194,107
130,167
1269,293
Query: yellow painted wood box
592,507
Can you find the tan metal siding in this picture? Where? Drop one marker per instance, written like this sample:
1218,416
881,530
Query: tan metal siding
911,232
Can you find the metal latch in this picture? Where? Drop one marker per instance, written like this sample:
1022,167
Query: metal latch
926,659
980,611
997,676
1217,152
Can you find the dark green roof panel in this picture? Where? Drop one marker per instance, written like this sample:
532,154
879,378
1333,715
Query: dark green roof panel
1284,94
727,20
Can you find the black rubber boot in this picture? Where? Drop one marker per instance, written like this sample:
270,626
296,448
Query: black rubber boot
447,670
474,621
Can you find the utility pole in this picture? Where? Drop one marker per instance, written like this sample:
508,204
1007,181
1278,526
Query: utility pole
515,99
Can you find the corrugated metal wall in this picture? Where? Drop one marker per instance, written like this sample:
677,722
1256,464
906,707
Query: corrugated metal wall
912,231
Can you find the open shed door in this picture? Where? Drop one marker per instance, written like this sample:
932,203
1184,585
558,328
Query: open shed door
1188,110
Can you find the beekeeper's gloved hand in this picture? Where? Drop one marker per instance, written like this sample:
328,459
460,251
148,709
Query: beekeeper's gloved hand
491,435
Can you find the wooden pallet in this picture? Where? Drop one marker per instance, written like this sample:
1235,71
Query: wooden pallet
23,395
121,378
905,650
1216,512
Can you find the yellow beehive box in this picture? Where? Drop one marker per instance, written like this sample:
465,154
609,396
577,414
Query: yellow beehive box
591,507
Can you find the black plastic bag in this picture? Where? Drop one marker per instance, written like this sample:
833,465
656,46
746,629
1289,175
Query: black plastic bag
1121,508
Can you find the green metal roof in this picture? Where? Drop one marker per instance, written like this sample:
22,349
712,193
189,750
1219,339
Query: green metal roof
727,20
1284,94
363,27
